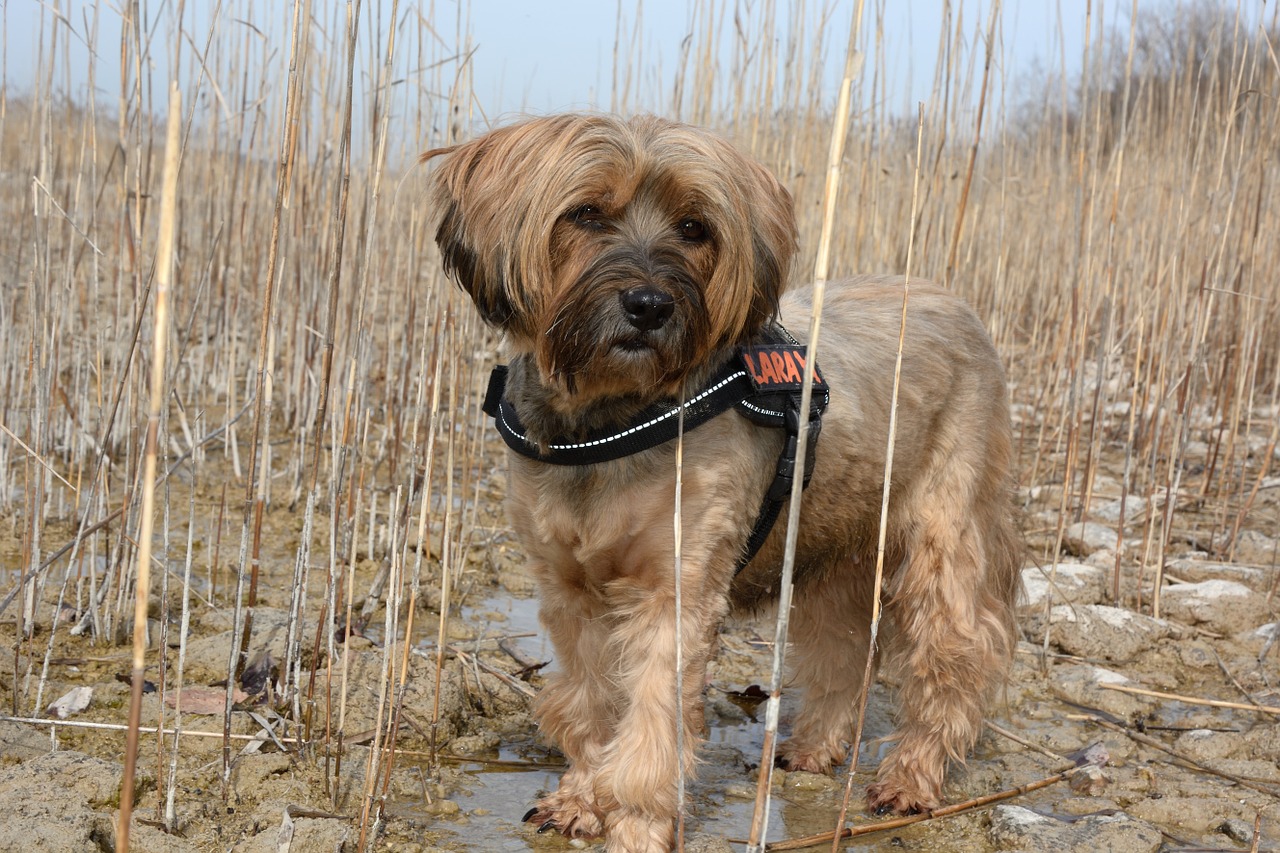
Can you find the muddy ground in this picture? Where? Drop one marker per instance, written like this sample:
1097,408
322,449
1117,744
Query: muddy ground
1180,776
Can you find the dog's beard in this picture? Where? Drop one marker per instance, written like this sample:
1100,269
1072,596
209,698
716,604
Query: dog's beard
591,349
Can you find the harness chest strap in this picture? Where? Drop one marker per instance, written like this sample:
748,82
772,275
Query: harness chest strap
763,382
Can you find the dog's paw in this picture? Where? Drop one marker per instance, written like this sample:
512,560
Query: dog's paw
889,797
793,756
572,817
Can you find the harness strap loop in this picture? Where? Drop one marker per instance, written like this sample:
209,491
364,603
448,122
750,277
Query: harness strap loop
779,490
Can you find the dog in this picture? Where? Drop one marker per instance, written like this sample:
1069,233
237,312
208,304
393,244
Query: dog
627,262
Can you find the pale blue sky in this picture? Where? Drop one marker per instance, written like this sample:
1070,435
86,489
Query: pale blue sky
545,56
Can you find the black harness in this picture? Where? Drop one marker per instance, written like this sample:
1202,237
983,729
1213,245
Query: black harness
762,381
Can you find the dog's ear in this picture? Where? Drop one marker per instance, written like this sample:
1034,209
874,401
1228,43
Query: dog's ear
758,244
465,192
484,284
773,241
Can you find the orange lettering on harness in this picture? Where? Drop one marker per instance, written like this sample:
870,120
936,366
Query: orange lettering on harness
779,366
767,374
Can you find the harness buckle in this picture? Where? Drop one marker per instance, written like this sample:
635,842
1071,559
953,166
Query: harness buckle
780,488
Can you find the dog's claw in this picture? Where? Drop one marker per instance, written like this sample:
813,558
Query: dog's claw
884,809
550,824
529,815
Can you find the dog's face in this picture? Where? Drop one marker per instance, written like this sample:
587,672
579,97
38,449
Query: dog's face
620,254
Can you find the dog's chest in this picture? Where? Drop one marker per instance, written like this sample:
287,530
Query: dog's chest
605,520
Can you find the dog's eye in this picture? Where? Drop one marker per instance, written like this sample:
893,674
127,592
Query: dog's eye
693,230
588,216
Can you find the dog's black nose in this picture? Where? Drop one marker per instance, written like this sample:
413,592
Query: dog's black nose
647,307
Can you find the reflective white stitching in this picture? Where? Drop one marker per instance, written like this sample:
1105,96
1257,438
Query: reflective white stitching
634,429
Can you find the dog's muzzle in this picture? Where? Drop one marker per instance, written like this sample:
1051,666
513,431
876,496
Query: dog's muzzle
647,307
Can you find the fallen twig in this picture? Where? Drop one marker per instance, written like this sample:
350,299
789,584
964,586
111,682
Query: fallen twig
120,727
945,811
1152,742
1003,732
1192,700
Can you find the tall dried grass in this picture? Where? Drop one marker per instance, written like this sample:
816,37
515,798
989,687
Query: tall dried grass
1118,232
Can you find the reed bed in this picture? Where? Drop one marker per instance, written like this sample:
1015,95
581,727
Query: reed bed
315,440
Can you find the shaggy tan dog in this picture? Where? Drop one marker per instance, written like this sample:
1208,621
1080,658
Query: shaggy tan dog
627,261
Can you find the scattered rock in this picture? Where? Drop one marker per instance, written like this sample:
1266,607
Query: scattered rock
475,744
1257,548
1099,632
1134,507
1196,571
1072,583
1225,607
1085,537
1080,683
1103,558
1237,830
19,742
1207,746
1019,828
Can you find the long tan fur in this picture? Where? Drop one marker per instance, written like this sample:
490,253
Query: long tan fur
625,260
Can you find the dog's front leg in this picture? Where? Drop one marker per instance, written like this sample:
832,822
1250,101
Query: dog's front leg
577,709
637,783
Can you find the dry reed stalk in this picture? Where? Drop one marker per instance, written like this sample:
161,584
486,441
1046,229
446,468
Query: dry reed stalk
124,727
255,484
169,815
335,241
883,530
678,574
373,762
1125,478
1192,700
852,67
346,661
164,273
993,15
446,542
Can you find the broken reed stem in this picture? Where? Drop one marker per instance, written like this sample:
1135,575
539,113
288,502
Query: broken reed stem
839,130
164,272
882,537
897,823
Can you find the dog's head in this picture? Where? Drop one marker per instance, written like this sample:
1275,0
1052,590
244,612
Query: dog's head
620,254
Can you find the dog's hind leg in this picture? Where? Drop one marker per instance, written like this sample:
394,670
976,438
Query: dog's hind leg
829,633
951,607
